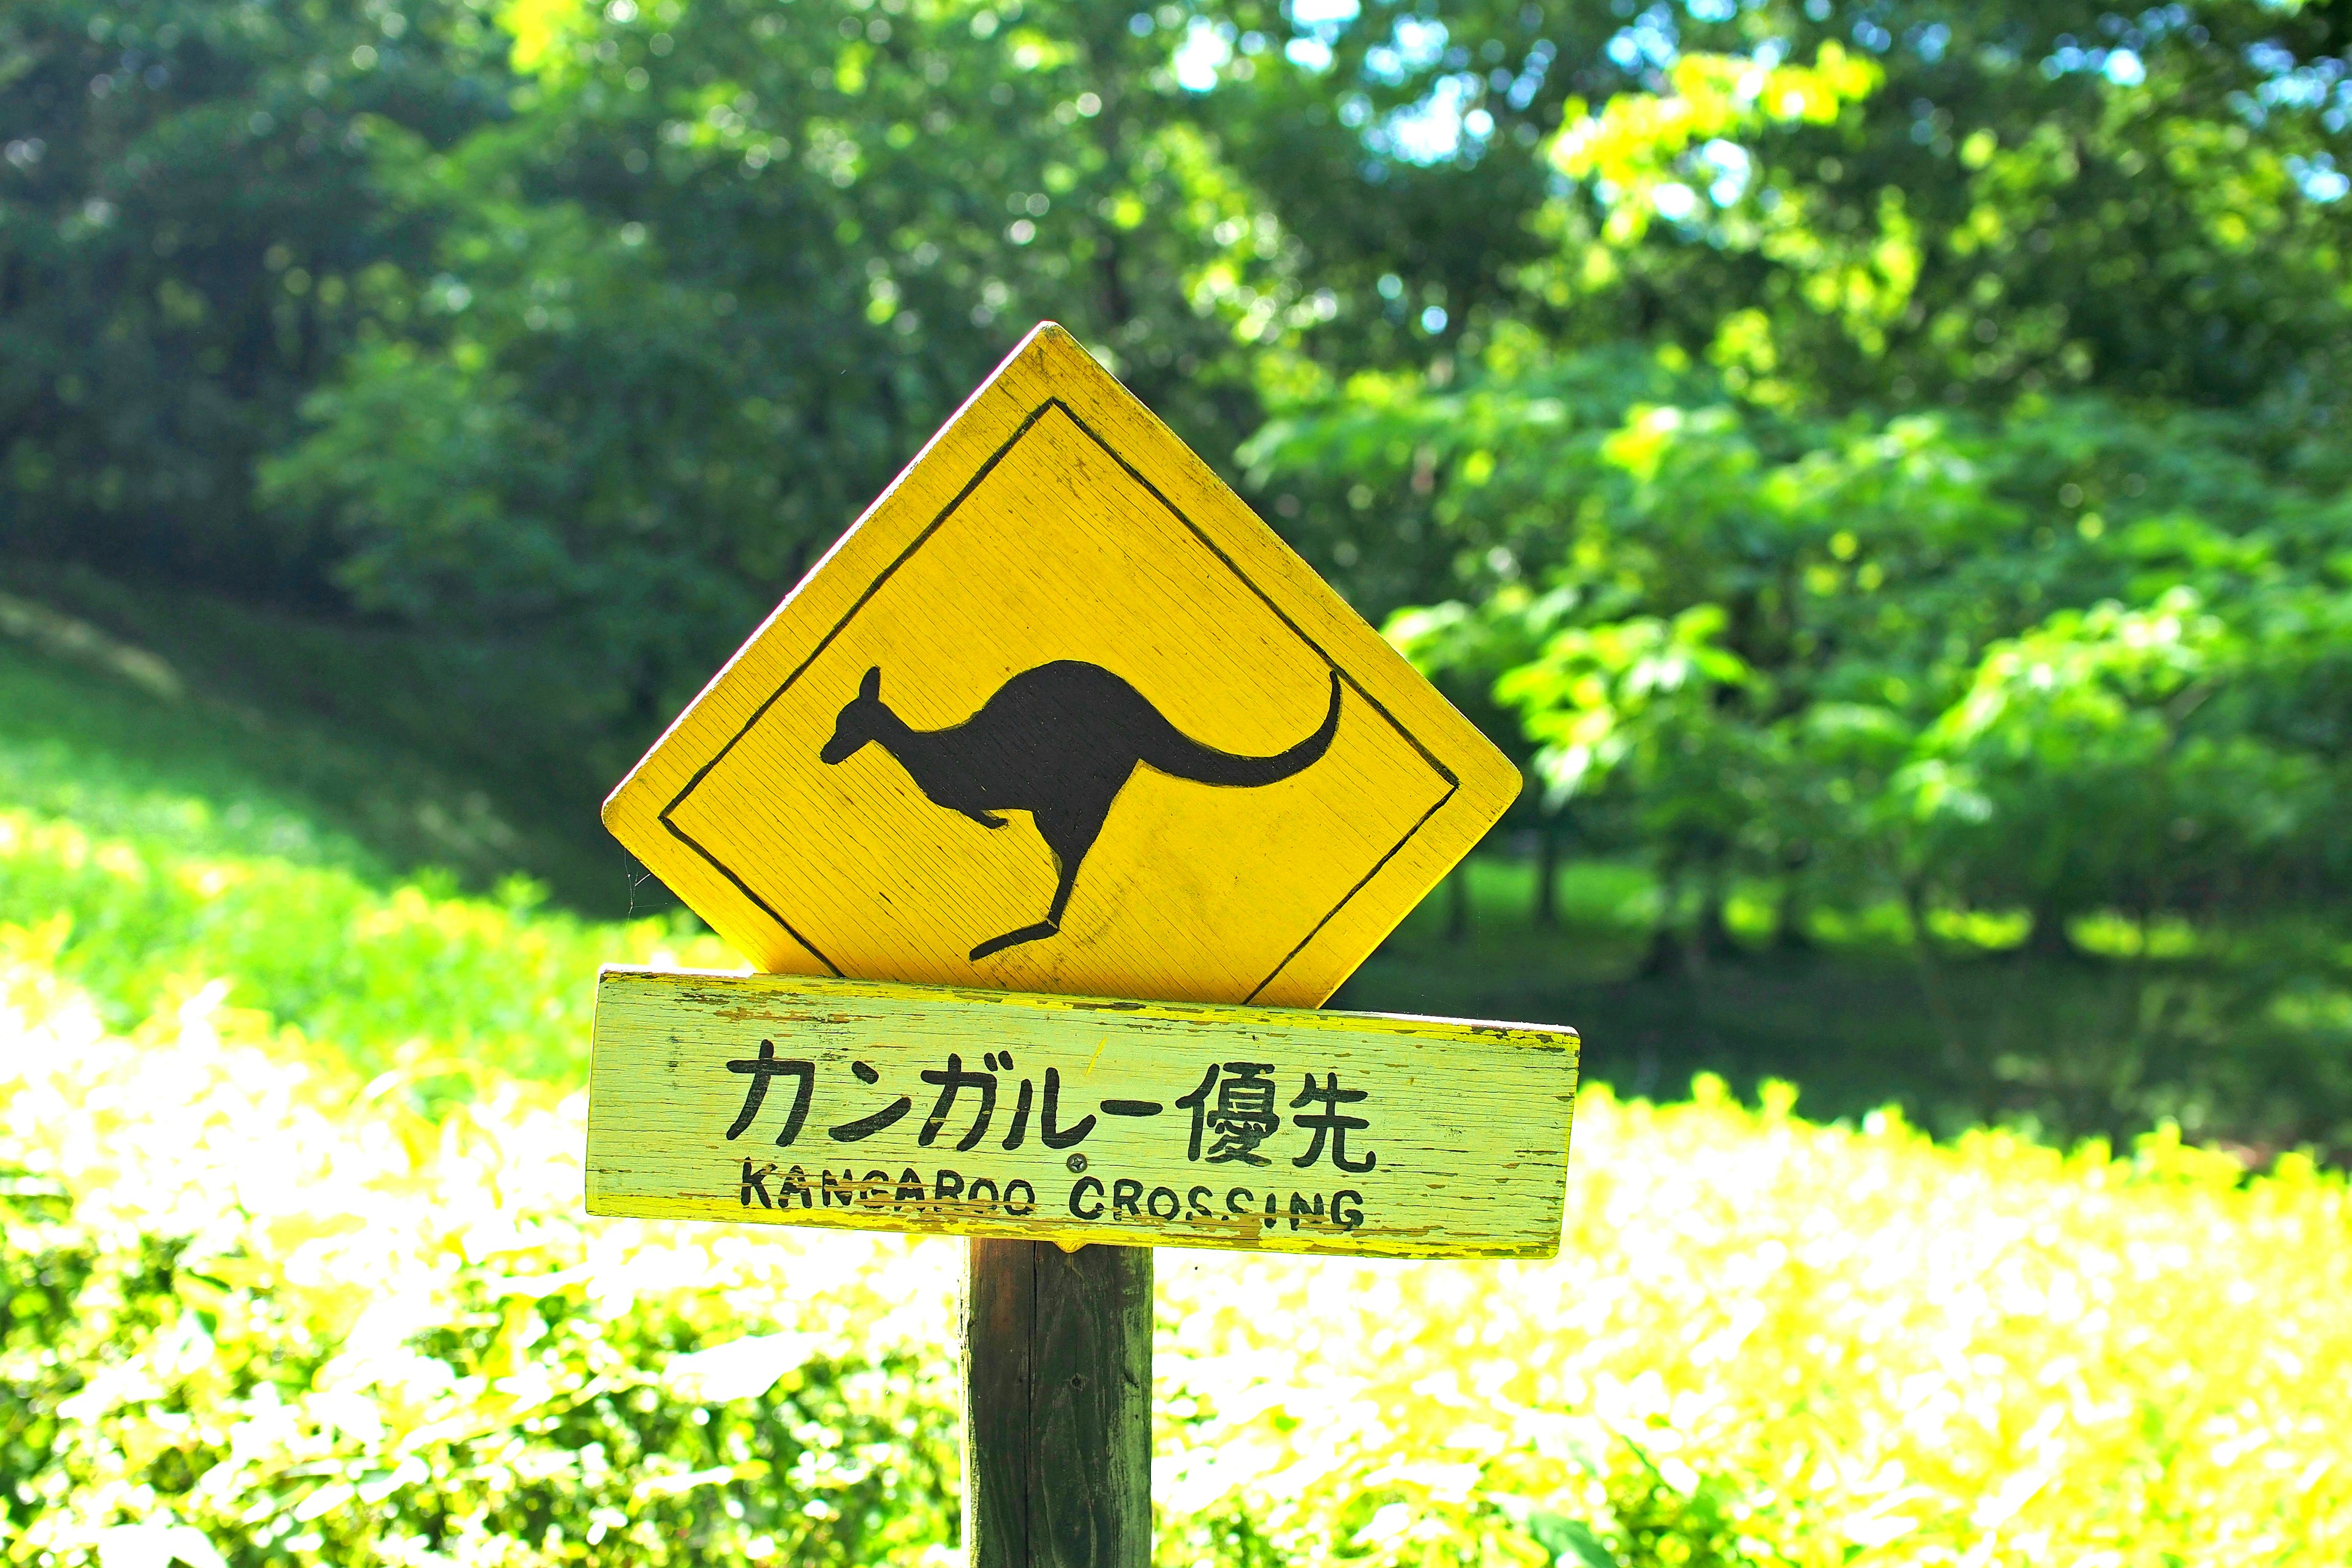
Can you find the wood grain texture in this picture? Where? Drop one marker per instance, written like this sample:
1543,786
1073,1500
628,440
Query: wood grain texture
1057,1413
1145,1123
1055,518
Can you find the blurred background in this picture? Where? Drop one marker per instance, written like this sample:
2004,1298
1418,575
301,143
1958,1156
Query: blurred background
1880,466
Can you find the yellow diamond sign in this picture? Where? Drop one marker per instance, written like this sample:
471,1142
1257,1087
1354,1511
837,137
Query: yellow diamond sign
1060,714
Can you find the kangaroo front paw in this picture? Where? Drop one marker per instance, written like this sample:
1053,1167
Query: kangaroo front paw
988,819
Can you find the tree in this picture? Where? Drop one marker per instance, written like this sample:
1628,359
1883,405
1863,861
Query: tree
717,280
190,217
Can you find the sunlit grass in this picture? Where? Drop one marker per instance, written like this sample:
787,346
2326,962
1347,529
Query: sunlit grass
141,925
158,841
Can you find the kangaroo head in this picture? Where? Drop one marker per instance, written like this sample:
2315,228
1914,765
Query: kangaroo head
862,719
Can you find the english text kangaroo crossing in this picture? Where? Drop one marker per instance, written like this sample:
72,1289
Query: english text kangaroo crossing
1058,741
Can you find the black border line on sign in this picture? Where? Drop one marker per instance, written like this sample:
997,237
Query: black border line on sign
1453,783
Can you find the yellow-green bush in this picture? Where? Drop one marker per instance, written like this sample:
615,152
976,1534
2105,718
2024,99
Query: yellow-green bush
1769,1341
252,1298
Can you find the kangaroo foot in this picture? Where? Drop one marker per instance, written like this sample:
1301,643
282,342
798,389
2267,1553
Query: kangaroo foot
1014,939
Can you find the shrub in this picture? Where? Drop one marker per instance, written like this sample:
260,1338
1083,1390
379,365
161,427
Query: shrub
1772,1341
258,1311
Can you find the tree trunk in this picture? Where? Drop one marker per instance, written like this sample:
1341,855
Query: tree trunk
1710,937
1930,966
1791,916
2048,938
1664,954
1546,906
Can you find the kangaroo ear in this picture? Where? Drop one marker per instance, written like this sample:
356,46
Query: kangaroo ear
871,686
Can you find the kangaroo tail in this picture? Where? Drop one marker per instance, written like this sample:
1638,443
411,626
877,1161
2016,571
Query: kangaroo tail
1173,753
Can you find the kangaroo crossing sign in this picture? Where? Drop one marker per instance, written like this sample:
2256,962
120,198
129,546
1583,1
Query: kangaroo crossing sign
864,1105
1060,715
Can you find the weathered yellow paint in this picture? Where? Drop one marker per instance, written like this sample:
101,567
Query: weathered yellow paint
1055,518
1464,1151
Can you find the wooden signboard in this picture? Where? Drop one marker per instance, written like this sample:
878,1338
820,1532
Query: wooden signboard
1060,717
859,1104
1060,714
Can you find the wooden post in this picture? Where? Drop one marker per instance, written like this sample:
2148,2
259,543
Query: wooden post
1057,1405
1054,522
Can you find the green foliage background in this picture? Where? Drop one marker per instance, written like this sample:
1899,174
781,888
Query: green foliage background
1879,467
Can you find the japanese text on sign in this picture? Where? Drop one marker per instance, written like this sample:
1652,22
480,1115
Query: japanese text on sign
821,1101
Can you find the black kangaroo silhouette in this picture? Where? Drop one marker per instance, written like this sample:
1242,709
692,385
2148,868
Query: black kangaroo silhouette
1058,741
